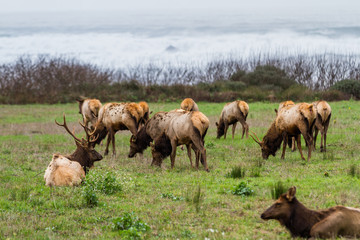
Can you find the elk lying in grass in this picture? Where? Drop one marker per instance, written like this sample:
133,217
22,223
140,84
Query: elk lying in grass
333,222
291,141
152,130
232,113
114,117
190,129
89,109
69,170
291,121
323,116
188,104
145,113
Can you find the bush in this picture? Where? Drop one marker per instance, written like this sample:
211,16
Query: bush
103,182
89,195
242,190
348,86
237,172
277,189
130,226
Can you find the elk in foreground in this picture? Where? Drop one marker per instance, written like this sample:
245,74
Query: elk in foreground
291,121
154,129
114,117
291,141
89,109
232,113
323,116
68,170
188,104
338,221
189,129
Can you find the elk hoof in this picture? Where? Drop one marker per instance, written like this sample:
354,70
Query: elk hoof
106,153
322,150
207,170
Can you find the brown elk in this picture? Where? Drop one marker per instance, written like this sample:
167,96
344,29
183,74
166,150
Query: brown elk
114,117
189,129
291,121
323,116
188,104
89,109
64,170
291,141
152,130
232,113
338,221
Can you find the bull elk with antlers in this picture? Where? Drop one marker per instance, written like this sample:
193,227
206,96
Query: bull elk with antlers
69,170
291,121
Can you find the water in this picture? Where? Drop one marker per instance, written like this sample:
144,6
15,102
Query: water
123,39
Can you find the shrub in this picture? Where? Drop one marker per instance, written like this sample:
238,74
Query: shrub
89,195
237,172
354,171
103,182
348,86
242,190
196,199
277,189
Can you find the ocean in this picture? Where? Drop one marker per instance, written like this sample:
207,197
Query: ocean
130,38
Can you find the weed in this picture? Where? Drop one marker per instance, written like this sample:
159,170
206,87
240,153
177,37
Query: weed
236,172
354,171
196,199
242,190
89,195
171,196
255,172
187,234
130,226
103,182
277,189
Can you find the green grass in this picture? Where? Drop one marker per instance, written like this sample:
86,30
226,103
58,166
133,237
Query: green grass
205,206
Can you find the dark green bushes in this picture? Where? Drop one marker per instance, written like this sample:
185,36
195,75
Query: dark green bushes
348,86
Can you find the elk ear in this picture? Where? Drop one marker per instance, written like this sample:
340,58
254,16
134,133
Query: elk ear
290,194
217,124
276,111
310,106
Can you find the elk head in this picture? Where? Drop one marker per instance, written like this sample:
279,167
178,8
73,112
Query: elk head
282,208
85,153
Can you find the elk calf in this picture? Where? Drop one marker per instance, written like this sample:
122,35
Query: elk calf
114,117
323,116
291,121
69,170
190,129
338,221
232,113
188,104
89,109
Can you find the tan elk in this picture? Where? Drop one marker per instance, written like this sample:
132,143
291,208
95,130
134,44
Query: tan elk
291,121
189,129
114,117
323,116
291,141
232,113
145,113
188,104
338,221
69,170
89,109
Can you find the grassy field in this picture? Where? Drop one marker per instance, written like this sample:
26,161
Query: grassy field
182,203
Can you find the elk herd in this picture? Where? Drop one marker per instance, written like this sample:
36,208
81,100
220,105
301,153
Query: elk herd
165,131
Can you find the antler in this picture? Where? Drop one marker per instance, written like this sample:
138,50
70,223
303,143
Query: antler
67,129
89,136
258,140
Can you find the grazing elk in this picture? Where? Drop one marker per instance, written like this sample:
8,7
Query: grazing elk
154,129
338,221
114,117
190,129
291,121
291,141
89,109
64,170
188,104
323,116
145,114
232,113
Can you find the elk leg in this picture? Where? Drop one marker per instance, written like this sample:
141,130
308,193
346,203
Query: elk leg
322,139
173,153
107,143
298,140
245,127
113,143
197,141
188,148
225,130
326,126
309,140
315,136
285,140
233,130
293,146
197,155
